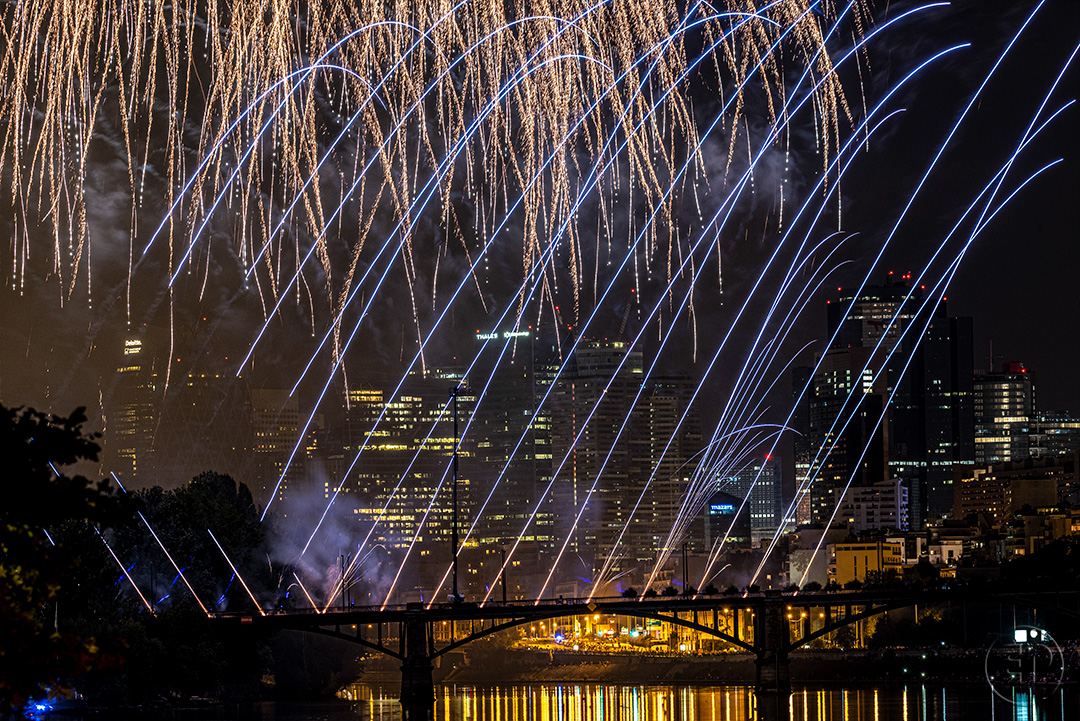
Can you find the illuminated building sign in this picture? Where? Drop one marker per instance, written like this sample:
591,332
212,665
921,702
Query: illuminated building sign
506,335
722,508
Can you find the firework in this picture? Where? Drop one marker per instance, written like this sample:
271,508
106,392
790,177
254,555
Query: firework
281,96
350,152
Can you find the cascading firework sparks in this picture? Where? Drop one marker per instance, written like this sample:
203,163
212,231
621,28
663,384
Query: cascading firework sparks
353,156
280,95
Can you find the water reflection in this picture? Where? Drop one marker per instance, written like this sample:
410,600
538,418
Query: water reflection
591,702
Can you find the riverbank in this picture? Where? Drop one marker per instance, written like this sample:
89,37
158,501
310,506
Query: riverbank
814,668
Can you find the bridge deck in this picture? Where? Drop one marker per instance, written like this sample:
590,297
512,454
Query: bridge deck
1064,600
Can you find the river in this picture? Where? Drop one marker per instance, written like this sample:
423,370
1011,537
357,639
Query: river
595,702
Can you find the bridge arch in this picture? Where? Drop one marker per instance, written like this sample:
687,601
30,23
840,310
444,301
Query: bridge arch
772,636
1038,604
533,617
846,620
556,613
354,639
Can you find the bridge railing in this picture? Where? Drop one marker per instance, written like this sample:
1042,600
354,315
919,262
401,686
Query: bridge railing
608,601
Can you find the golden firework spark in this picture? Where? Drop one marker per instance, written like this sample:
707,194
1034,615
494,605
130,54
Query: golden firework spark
245,107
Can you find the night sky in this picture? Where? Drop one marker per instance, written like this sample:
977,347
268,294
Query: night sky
1018,280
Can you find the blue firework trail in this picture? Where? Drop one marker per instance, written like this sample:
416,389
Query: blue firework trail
712,470
622,146
938,291
179,571
804,484
532,289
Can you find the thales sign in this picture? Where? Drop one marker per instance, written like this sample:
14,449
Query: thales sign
507,334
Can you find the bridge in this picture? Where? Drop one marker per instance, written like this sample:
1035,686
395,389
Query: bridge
770,625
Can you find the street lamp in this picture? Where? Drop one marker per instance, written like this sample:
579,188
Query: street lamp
503,551
453,521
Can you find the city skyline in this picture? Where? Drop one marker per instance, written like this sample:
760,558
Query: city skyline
398,455
699,240
58,347
484,342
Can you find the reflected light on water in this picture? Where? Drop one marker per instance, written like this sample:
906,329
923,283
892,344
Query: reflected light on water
597,702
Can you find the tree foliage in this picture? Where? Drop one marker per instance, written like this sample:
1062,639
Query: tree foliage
183,519
67,610
1055,565
37,498
182,654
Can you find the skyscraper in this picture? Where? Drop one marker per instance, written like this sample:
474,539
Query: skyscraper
166,434
1004,411
131,413
910,366
205,425
402,482
512,437
666,434
802,394
848,414
931,421
861,318
275,425
848,441
759,484
590,447
1055,433
624,449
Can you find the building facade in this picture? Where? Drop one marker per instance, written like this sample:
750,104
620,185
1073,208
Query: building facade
892,398
400,446
1004,412
882,506
759,484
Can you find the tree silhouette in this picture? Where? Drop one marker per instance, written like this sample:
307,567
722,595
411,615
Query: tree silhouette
37,496
176,653
181,518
